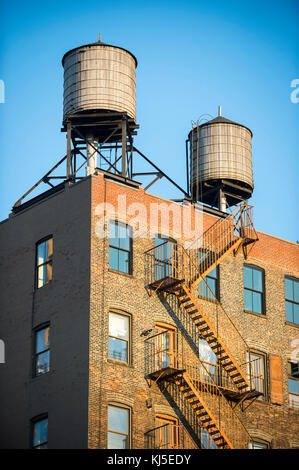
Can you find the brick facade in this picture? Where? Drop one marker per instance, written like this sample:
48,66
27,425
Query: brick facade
106,381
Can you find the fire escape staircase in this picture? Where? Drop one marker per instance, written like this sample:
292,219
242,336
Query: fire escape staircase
172,269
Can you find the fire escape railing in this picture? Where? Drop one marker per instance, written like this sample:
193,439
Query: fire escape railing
169,358
168,436
170,264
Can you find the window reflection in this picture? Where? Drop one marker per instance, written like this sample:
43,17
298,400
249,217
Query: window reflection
44,255
120,247
42,351
253,290
118,428
40,434
292,300
118,337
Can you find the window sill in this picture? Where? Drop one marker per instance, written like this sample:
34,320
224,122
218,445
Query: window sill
292,324
121,273
120,363
259,315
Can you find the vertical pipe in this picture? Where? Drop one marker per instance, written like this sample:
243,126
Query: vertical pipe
69,151
222,201
92,155
124,146
187,167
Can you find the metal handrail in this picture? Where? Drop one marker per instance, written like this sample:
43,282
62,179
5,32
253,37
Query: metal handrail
158,437
209,393
171,260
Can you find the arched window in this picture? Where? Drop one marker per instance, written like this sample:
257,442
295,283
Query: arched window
258,444
165,346
119,336
166,433
119,426
40,432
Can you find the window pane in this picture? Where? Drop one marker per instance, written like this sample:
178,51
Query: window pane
116,441
257,280
257,302
40,432
118,349
212,285
293,386
124,237
202,289
42,363
113,258
296,314
257,445
118,419
206,353
159,240
248,277
42,275
113,234
296,291
258,373
294,401
289,311
213,273
123,257
289,289
42,339
41,253
248,300
118,325
207,441
49,249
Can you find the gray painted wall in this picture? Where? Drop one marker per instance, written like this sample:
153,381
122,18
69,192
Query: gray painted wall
63,392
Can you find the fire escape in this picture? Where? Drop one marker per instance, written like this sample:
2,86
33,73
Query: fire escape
215,393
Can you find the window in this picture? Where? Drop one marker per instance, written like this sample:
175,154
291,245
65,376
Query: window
166,433
254,289
293,382
292,300
209,370
258,373
40,433
118,427
258,445
119,326
165,346
211,280
206,440
44,255
42,351
120,247
164,257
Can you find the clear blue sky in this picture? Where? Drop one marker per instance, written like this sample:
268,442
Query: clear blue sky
192,56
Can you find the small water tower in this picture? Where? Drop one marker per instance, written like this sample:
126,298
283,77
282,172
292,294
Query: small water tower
99,107
220,162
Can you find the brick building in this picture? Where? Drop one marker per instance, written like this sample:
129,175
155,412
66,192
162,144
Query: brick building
82,329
